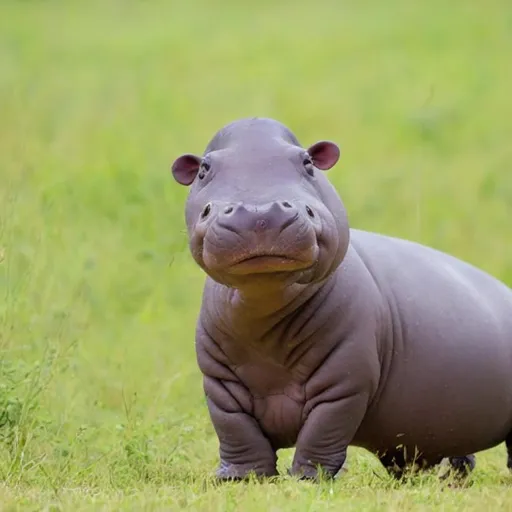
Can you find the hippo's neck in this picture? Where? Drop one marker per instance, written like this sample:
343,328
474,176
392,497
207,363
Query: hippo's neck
254,316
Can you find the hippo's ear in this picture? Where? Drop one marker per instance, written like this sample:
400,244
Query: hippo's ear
324,154
185,168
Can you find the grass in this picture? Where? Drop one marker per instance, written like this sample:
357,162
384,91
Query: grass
101,404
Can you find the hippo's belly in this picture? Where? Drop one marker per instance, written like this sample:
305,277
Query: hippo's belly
447,385
277,397
442,409
280,418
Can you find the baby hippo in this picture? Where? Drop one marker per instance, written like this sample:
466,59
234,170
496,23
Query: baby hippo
317,336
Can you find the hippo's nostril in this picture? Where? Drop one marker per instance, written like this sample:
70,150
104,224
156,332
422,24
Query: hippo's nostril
286,204
206,211
261,224
309,211
228,210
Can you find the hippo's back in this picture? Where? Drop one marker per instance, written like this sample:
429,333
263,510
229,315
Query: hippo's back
448,350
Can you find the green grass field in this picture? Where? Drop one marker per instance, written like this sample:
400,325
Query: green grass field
101,404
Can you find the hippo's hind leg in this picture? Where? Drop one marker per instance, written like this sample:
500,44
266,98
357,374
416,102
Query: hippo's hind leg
462,465
397,466
508,443
394,463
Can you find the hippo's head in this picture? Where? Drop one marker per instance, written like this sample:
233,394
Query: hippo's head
260,208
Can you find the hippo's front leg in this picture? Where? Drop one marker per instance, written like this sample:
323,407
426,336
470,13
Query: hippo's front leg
243,449
323,440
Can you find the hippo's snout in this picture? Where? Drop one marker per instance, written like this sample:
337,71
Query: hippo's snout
251,238
275,216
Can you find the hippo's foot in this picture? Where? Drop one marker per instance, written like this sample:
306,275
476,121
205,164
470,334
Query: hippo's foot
312,473
508,444
463,466
239,472
459,468
316,473
317,466
394,463
400,469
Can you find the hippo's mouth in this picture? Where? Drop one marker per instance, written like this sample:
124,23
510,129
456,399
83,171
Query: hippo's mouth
259,255
267,263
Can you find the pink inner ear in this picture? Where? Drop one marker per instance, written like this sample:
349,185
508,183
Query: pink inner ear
185,168
325,154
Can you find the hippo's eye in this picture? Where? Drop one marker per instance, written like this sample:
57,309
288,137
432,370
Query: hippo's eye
308,164
205,167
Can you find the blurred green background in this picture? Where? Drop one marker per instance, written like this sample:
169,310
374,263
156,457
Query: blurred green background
100,398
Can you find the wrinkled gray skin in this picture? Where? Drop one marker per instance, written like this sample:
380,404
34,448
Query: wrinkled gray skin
318,336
